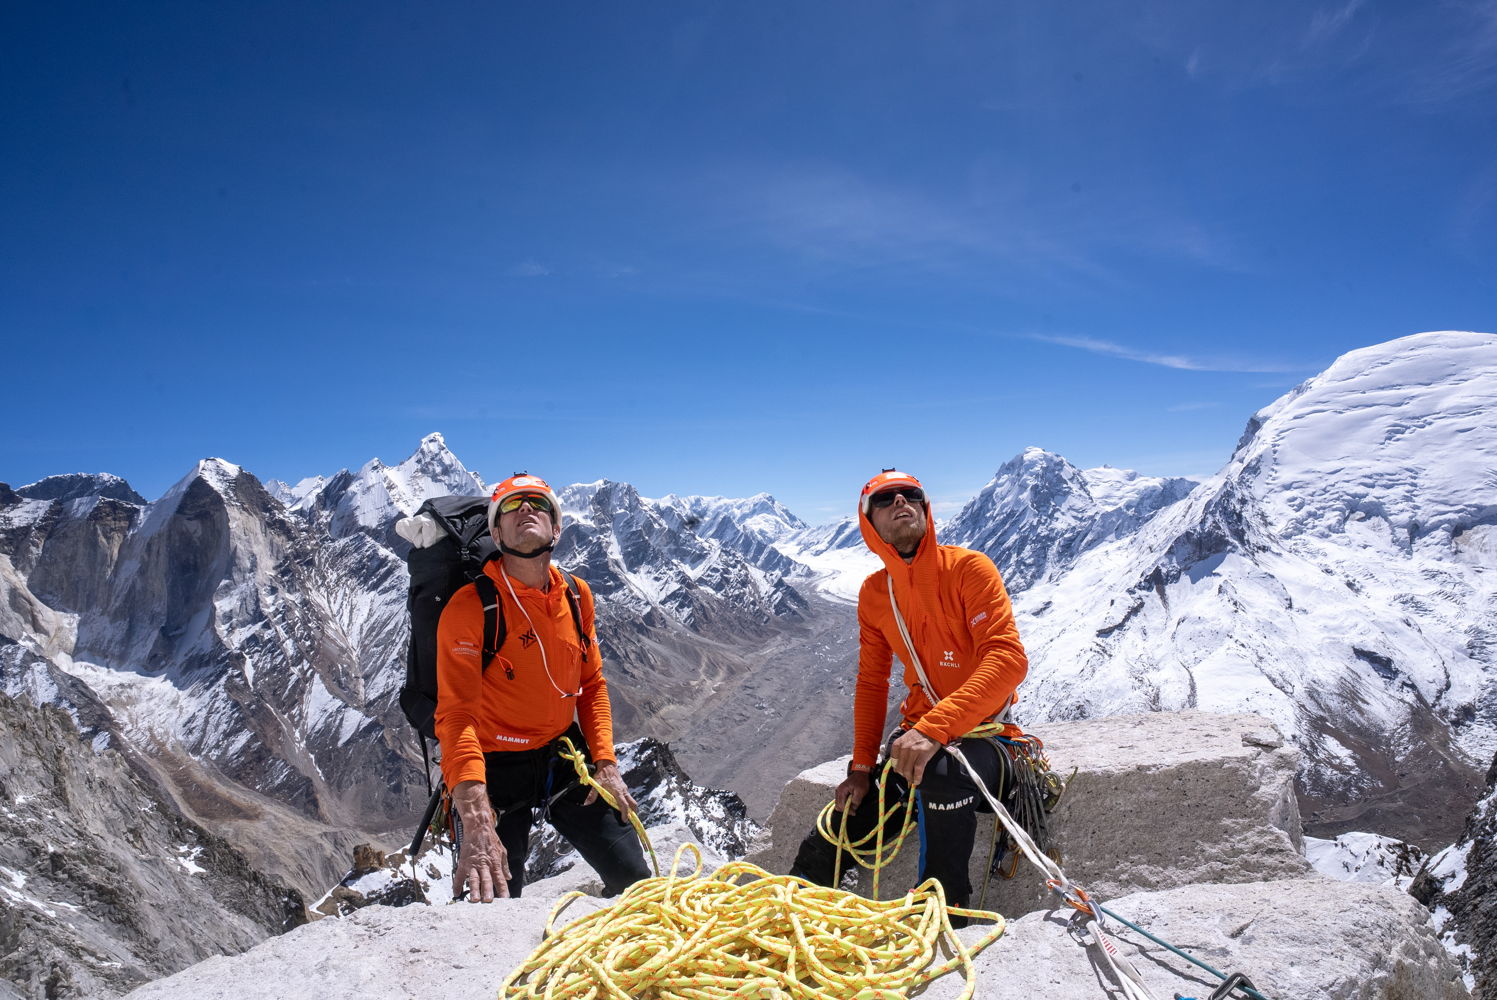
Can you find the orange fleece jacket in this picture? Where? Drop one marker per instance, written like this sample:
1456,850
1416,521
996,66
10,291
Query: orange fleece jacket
962,624
514,705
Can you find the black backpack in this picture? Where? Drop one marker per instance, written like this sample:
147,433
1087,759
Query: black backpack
437,572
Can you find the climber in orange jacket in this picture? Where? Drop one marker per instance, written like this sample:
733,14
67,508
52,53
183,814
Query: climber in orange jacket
499,728
947,606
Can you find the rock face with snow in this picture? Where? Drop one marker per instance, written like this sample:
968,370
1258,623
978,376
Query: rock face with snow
1335,576
1460,885
1366,857
1296,934
1040,514
80,486
103,885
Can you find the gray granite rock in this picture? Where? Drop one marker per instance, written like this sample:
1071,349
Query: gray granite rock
1158,801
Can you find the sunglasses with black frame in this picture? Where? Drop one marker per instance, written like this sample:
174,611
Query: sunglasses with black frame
885,498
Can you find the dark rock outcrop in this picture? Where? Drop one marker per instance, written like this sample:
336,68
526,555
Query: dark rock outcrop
103,885
1459,885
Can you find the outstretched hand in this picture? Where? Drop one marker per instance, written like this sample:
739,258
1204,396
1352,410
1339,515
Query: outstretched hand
483,865
608,776
910,753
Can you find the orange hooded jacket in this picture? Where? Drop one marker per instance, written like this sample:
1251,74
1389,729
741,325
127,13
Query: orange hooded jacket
515,705
959,616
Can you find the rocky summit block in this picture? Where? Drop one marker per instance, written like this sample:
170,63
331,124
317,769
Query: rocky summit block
1157,801
1183,824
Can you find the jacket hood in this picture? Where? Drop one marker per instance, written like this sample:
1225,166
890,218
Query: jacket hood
917,584
892,560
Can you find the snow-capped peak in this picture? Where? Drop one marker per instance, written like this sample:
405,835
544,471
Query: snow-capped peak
78,485
1401,432
1039,513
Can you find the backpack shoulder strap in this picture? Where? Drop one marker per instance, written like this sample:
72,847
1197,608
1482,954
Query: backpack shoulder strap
494,629
574,602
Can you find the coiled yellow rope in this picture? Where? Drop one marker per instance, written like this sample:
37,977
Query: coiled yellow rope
744,934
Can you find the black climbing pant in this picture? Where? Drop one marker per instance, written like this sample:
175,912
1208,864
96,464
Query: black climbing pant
520,782
946,805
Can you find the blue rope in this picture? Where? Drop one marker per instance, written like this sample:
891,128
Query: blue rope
1195,961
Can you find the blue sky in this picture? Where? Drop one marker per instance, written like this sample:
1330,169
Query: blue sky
721,248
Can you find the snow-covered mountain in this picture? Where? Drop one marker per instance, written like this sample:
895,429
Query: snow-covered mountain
247,655
1036,517
641,554
1336,576
1039,514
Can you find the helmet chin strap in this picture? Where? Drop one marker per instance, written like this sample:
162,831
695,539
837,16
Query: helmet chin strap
526,555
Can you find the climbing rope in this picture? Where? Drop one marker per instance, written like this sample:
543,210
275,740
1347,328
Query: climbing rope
877,857
744,934
579,763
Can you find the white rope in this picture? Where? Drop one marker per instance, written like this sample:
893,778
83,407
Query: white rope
1127,977
544,664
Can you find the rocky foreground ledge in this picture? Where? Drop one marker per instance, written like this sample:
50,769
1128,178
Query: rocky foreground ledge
1183,823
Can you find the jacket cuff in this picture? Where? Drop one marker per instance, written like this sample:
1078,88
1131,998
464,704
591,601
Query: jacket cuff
469,770
931,732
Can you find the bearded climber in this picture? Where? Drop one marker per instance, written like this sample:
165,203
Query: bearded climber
945,606
500,728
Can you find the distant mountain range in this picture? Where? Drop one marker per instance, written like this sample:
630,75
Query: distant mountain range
241,644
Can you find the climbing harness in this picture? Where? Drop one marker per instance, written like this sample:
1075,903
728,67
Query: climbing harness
743,933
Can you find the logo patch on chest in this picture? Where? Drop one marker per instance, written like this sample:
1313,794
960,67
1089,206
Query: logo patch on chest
948,659
528,639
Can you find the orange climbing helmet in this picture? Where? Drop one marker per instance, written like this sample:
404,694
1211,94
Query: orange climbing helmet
519,485
889,479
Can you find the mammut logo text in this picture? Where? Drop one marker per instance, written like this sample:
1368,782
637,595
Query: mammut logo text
464,648
510,739
948,806
980,616
528,639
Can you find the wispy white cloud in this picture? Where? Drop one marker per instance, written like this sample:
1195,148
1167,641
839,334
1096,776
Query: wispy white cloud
1179,361
1328,22
1469,227
998,227
529,268
1468,63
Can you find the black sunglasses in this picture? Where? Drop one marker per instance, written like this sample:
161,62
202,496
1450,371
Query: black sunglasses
913,494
